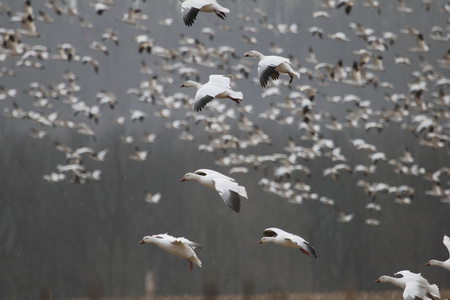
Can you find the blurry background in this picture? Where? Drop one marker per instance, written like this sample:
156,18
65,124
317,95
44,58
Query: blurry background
75,233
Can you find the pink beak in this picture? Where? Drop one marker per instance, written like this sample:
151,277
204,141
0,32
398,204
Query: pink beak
260,242
182,85
182,179
141,242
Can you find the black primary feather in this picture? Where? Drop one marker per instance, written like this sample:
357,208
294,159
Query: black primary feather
201,103
266,73
234,201
189,17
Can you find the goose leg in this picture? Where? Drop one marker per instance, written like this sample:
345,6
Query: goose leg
190,266
220,14
304,252
236,100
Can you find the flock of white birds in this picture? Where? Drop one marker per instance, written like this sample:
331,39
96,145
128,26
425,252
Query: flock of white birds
421,109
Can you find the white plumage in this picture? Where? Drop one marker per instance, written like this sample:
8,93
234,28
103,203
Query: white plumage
190,9
218,86
271,67
413,284
286,239
418,287
443,264
178,246
227,187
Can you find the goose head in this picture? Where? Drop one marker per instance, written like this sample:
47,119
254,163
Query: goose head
253,53
382,279
188,176
189,83
433,262
146,240
265,239
394,280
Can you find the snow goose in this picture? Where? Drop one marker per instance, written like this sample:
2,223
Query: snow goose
218,86
178,246
339,36
190,9
227,187
271,66
347,4
286,239
413,284
443,264
100,8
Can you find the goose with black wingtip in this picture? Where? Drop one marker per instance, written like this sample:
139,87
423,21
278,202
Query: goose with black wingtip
271,66
286,239
230,191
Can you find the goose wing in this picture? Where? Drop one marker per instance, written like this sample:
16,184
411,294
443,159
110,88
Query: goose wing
305,247
201,102
190,9
220,80
228,190
412,291
205,94
183,240
267,66
446,242
164,236
418,286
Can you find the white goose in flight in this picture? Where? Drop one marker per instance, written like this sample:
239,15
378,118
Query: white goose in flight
190,9
443,264
271,66
286,239
218,86
413,284
227,187
178,246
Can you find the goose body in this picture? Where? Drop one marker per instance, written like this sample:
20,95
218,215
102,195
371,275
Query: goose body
286,239
218,86
191,8
227,187
271,66
443,264
178,246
